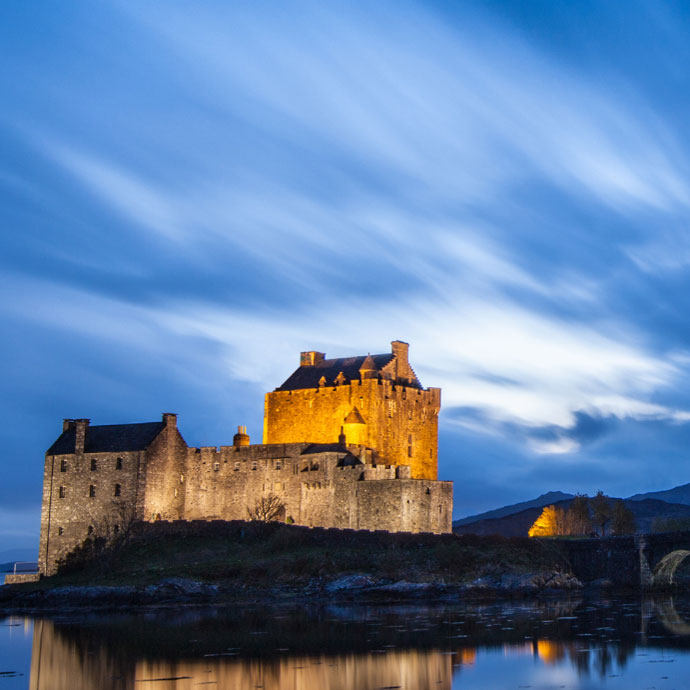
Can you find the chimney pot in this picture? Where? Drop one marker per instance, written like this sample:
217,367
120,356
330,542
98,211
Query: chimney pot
241,438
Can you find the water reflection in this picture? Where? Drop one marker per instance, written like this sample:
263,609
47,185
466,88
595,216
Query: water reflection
351,648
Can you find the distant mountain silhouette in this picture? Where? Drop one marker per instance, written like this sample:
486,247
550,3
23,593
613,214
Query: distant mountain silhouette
679,494
518,524
8,557
539,502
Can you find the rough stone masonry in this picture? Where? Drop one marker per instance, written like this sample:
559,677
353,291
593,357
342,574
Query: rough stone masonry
348,443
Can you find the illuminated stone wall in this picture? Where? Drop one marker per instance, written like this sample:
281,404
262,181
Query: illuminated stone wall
222,483
70,512
400,422
99,494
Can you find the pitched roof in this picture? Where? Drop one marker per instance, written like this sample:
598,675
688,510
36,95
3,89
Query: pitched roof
308,376
109,438
354,417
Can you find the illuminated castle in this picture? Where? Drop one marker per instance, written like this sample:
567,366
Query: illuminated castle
348,443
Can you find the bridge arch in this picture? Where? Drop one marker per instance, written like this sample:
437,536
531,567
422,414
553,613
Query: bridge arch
671,619
665,571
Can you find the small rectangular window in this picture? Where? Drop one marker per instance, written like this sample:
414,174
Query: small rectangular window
60,531
279,465
90,530
216,466
116,528
118,464
94,466
92,491
61,492
253,464
237,467
63,465
118,489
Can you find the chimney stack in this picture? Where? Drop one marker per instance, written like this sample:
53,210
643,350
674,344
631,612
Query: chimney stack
310,358
241,438
170,420
80,441
67,424
401,350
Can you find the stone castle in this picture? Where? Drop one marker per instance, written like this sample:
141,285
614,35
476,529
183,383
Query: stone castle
348,443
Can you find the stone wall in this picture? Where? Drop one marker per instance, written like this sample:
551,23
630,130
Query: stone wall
223,483
85,494
400,422
163,481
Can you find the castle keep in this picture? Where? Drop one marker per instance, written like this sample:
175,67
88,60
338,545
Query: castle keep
348,443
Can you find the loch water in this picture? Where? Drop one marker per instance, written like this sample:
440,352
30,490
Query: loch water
566,644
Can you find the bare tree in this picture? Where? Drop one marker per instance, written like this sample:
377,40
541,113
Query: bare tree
623,520
578,518
267,509
601,509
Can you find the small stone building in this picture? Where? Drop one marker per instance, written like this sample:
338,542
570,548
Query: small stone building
348,443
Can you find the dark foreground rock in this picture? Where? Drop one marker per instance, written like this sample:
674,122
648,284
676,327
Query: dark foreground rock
361,586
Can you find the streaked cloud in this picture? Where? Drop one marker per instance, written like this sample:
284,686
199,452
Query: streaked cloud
237,183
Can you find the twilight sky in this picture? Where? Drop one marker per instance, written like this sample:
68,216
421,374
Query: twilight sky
193,192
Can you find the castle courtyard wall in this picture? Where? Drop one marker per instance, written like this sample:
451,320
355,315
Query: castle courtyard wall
223,483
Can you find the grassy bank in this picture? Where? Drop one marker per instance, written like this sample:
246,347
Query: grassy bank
259,555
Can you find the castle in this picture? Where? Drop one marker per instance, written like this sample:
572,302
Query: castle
348,443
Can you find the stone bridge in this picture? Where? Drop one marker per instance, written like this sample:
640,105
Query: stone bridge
643,560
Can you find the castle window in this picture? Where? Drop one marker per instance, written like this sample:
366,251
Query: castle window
118,464
90,530
92,491
118,489
182,479
216,466
116,528
60,531
253,464
314,466
237,467
63,465
279,465
61,492
94,466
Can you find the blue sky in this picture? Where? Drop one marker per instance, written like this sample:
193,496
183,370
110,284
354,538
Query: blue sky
193,193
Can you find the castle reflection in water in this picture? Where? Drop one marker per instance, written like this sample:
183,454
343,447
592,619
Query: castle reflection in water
349,648
60,664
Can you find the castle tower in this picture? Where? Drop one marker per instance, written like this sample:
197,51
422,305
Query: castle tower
377,401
